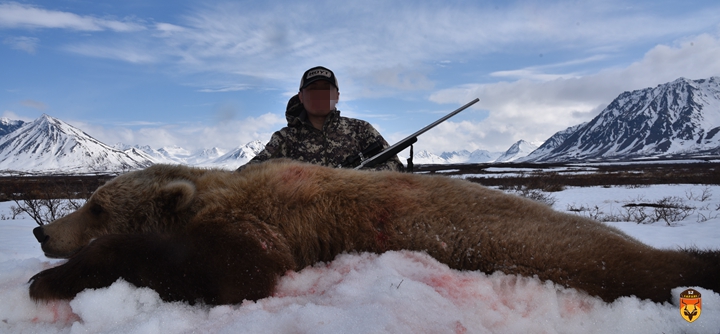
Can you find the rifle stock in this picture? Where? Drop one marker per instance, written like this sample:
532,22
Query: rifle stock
409,140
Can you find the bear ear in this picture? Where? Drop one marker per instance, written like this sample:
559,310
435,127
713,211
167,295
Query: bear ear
178,194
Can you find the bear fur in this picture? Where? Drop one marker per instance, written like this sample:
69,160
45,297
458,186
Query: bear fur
220,237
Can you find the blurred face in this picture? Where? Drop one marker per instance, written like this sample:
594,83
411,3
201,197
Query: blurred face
319,98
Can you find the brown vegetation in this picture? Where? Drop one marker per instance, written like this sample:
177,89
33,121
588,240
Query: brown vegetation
554,177
43,186
46,198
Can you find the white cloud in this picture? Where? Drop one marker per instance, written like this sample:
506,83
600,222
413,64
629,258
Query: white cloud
381,49
535,110
387,48
540,73
13,116
130,54
229,88
526,109
16,15
532,73
23,43
168,28
227,134
34,104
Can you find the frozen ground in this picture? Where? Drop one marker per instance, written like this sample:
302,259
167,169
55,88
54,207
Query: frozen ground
396,292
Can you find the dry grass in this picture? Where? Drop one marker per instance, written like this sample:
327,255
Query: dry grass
555,177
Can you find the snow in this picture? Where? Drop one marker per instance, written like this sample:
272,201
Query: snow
454,157
48,144
394,292
465,156
517,151
425,157
709,94
448,171
701,229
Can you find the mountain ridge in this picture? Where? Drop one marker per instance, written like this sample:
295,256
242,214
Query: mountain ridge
49,144
9,125
678,118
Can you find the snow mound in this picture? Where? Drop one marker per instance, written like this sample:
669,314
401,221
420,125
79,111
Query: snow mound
394,292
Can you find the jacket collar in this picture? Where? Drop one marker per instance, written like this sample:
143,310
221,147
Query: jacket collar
296,115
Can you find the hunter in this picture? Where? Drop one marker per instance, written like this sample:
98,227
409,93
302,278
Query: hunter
316,133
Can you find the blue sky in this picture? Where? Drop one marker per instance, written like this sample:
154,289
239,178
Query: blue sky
201,74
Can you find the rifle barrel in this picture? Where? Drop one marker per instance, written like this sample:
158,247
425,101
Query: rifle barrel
414,135
432,125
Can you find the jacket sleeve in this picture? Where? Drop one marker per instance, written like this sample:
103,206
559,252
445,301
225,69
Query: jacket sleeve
392,164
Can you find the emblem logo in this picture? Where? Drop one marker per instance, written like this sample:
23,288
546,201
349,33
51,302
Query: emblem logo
318,72
690,305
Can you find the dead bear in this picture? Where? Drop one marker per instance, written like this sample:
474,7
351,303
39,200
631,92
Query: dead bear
220,237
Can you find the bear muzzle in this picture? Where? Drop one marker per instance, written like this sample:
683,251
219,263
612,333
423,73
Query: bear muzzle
48,248
40,234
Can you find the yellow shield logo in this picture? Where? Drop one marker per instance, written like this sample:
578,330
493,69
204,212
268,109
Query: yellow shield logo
690,305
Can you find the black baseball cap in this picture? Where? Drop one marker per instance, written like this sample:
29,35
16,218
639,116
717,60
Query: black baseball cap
318,73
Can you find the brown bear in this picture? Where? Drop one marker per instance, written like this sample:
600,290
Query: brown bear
220,237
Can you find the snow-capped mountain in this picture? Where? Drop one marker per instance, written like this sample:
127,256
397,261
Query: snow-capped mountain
195,158
454,157
552,142
239,156
48,144
7,125
425,158
183,156
156,156
465,156
680,118
175,154
518,150
206,155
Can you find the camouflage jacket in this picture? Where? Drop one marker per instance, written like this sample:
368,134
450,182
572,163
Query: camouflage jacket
340,138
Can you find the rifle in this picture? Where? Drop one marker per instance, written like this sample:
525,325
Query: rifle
378,158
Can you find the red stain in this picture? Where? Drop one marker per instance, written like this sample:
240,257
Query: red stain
300,183
459,328
60,310
381,238
573,306
453,287
294,174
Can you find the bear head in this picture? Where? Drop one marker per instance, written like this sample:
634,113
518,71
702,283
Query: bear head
149,200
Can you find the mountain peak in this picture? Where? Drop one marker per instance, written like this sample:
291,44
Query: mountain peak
48,144
520,149
675,118
45,118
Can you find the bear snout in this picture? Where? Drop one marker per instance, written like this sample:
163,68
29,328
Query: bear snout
40,234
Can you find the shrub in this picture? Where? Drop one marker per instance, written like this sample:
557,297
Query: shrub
47,203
